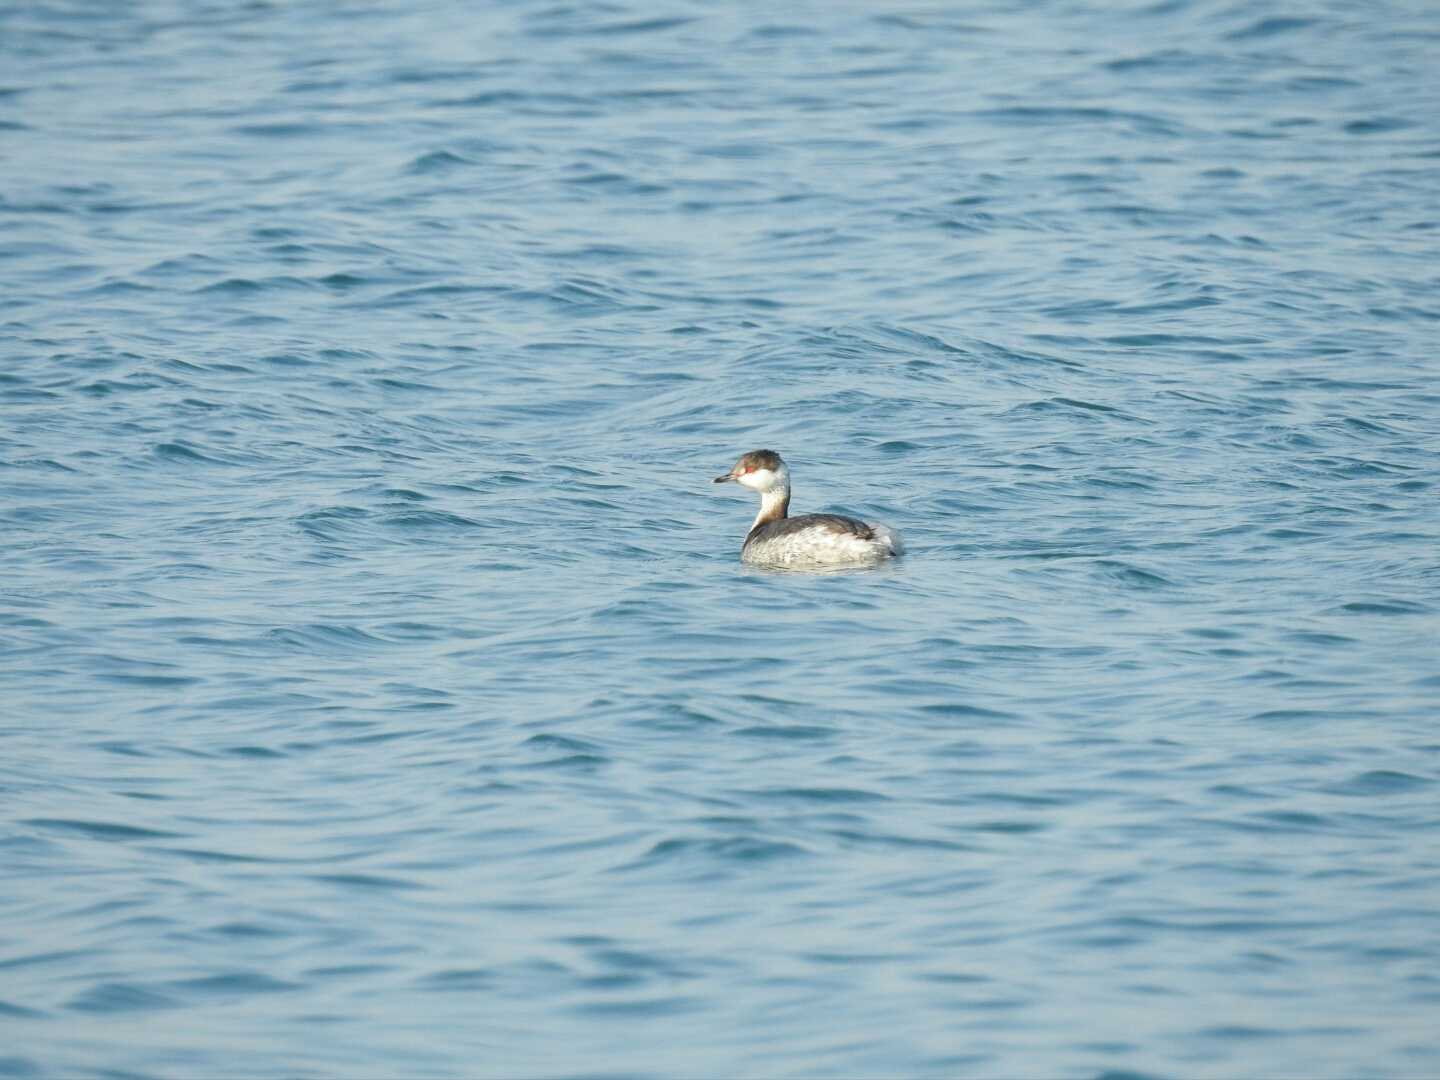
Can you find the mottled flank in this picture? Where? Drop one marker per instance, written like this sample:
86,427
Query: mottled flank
381,694
817,540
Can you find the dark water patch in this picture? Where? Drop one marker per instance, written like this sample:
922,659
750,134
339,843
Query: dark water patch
677,718
1061,405
524,103
1287,821
437,161
110,387
24,395
245,931
404,495
1164,60
158,682
430,74
1378,125
1232,1032
369,882
237,984
279,130
417,631
562,742
287,360
99,830
787,732
897,447
1214,633
202,856
1010,827
717,852
551,25
1271,26
1132,577
821,795
343,281
894,841
429,520
233,287
959,710
112,289
1291,716
184,454
1081,116
121,997
643,1008
1383,607
257,752
332,522
1380,782
321,637
348,971
460,980
571,763
34,959
1316,637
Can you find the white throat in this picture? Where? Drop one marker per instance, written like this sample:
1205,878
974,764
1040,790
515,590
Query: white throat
770,504
774,489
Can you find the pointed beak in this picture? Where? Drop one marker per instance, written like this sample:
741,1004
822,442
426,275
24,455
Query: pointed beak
724,479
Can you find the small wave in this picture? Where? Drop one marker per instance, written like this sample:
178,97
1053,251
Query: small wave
279,130
369,882
158,682
437,161
1377,125
1384,607
237,984
329,637
184,453
1381,782
551,24
1170,60
342,281
332,522
238,286
100,830
826,795
720,851
1133,577
1271,26
562,742
200,855
121,997
582,763
459,980
428,520
787,732
964,710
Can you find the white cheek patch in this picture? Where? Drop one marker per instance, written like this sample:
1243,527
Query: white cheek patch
759,480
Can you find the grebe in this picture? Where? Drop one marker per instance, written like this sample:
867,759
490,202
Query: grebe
810,540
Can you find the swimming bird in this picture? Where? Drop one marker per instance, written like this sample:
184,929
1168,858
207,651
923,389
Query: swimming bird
811,540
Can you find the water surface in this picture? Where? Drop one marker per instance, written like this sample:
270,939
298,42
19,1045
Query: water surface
383,693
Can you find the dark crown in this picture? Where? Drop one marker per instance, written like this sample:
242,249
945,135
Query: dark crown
761,459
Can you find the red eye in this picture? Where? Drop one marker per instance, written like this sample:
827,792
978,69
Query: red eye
747,469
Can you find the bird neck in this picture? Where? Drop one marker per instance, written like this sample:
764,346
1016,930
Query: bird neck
774,504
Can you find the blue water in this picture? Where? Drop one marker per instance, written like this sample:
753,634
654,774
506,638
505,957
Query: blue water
382,692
